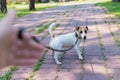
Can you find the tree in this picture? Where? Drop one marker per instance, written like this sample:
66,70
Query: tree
115,0
3,6
39,0
61,0
32,5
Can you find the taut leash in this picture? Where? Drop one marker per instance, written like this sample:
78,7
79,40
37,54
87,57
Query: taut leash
36,40
20,36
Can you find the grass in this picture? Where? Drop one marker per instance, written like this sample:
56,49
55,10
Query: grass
23,10
113,7
99,37
36,67
39,63
117,39
115,36
109,79
41,28
8,74
102,50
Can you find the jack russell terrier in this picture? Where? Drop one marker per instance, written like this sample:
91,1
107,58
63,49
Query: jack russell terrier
69,39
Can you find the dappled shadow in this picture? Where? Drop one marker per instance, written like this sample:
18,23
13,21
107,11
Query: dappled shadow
93,67
37,18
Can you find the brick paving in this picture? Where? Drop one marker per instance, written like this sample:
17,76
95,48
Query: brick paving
98,63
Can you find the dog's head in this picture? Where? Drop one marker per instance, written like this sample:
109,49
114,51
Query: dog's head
82,32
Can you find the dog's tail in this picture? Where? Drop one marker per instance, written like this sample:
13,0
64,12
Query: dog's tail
51,29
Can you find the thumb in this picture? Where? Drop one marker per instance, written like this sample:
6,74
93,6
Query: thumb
8,19
6,28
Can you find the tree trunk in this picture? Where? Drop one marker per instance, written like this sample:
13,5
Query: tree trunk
3,6
56,0
32,5
61,0
115,0
39,0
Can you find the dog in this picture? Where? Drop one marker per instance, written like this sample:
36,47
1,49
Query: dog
58,42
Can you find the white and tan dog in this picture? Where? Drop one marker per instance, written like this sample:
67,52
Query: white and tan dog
67,39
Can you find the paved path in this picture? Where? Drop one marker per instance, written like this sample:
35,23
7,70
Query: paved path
101,53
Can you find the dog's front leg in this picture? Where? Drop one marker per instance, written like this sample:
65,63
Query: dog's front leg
56,57
78,52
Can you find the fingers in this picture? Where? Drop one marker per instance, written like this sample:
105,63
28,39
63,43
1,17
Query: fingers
35,45
28,42
26,36
29,48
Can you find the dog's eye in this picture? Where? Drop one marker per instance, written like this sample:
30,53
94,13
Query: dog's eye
81,32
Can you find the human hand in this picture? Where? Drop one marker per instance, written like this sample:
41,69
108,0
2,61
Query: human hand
9,40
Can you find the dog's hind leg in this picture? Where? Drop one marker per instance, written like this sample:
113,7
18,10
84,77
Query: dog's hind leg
52,53
56,57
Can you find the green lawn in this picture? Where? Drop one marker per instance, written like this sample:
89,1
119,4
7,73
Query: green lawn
113,7
24,9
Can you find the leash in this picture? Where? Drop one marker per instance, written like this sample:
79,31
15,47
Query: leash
36,40
20,36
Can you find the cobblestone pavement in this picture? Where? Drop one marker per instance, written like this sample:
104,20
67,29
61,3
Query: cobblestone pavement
101,52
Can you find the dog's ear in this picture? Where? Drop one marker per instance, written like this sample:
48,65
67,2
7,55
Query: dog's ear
86,28
77,28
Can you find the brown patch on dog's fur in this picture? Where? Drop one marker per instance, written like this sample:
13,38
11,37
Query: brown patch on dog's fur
86,28
52,36
79,29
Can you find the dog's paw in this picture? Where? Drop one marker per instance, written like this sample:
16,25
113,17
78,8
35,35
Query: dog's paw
59,63
80,57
